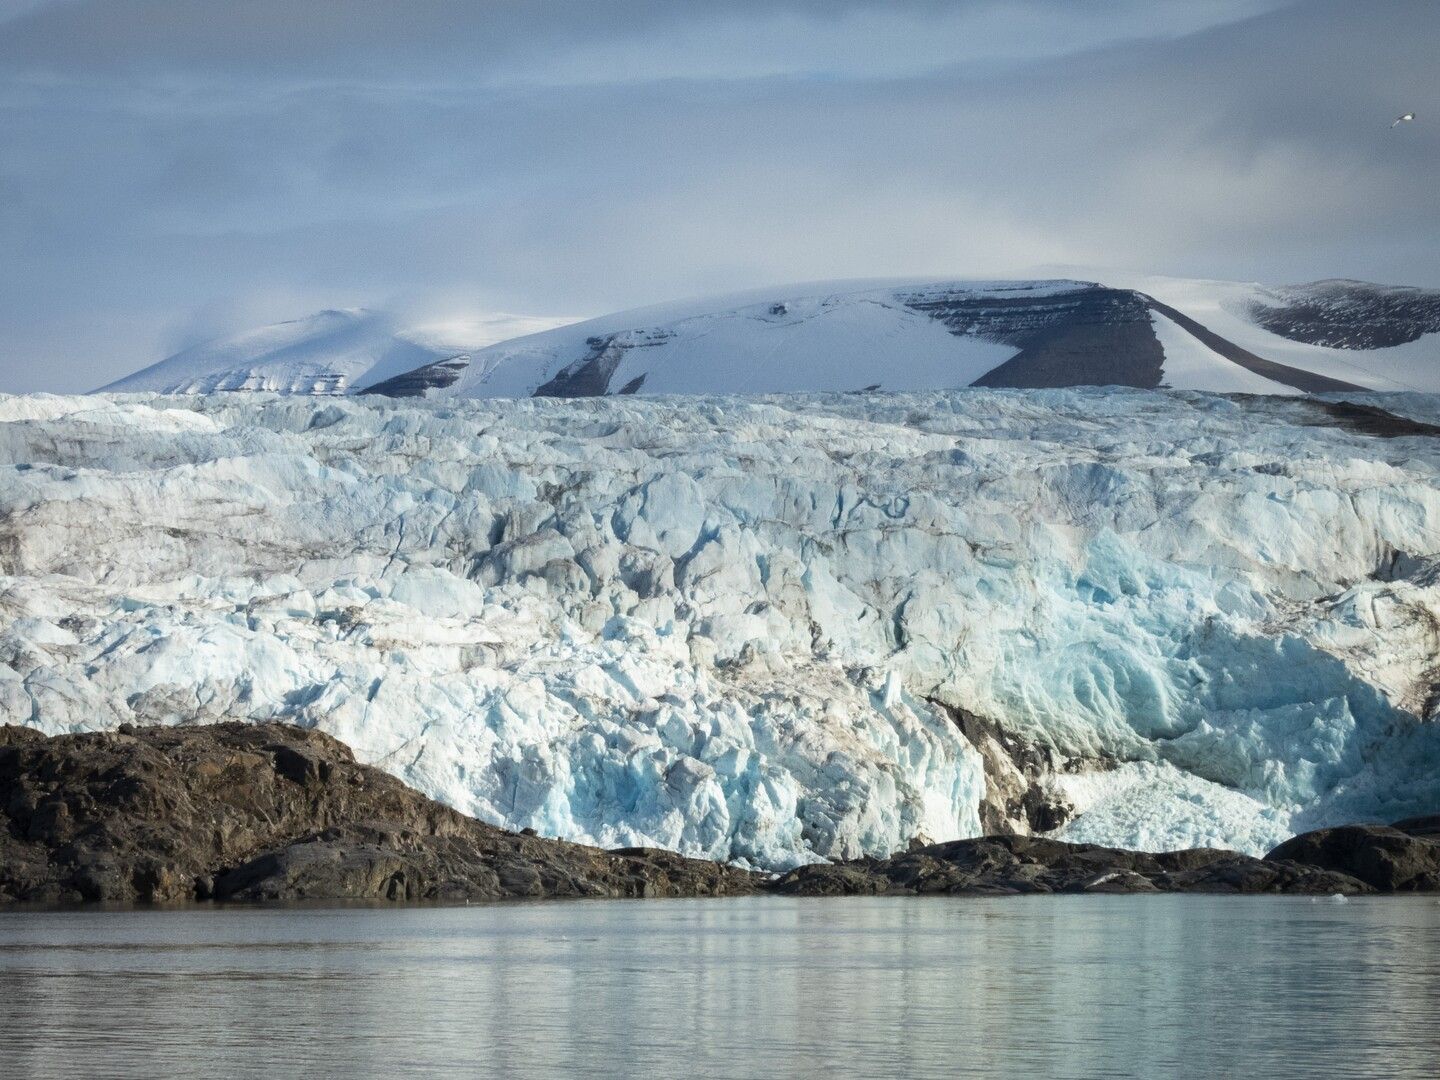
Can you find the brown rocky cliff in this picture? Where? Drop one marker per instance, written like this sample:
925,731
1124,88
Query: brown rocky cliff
268,811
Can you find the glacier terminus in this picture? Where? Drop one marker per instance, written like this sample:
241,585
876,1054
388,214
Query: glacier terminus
767,630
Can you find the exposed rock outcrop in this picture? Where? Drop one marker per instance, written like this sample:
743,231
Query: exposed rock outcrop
590,375
1427,826
268,812
414,384
1086,334
1019,796
1387,858
274,812
1002,865
1370,419
1348,314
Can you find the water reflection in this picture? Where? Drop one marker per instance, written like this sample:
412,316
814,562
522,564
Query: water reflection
1078,986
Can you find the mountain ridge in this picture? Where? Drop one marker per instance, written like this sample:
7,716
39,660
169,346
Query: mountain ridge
900,334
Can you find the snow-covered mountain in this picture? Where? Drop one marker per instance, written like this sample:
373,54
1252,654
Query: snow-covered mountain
914,335
760,629
353,350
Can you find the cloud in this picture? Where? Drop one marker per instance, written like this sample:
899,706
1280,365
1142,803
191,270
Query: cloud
568,42
179,166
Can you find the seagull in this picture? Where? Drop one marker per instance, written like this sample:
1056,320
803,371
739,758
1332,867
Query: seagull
1403,119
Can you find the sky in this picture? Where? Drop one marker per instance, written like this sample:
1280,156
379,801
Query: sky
171,170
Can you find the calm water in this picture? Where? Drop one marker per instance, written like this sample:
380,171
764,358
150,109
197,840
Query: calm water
1074,986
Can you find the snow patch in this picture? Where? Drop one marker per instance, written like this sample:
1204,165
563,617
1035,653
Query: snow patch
1192,365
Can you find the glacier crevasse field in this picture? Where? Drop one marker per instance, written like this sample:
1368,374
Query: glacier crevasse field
720,625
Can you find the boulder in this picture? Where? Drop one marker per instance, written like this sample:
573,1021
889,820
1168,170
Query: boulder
1385,858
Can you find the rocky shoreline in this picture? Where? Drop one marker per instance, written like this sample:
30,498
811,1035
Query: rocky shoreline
270,812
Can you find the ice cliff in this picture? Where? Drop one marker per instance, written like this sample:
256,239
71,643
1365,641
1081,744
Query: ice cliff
749,628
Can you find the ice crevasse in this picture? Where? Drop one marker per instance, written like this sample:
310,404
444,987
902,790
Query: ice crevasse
744,628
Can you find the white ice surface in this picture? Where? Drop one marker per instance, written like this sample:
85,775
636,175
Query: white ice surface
713,624
329,353
1220,306
1117,807
1192,365
811,337
830,336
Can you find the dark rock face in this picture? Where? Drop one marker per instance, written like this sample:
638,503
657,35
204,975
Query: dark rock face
1369,420
1001,865
1090,335
590,375
1350,314
269,812
1427,826
413,384
273,812
1386,858
1017,800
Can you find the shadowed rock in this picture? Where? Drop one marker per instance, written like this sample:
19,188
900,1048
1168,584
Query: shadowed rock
1017,799
1343,314
273,812
1370,419
1386,858
1000,865
414,384
1427,825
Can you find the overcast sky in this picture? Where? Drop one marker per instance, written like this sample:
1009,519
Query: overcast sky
173,169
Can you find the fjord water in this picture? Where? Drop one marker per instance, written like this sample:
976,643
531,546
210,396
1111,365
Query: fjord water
765,987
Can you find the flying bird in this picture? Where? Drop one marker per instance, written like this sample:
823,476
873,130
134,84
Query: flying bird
1403,119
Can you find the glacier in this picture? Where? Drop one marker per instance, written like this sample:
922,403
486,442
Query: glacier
741,628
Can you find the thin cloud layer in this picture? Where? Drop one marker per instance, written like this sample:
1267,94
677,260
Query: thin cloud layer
177,169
